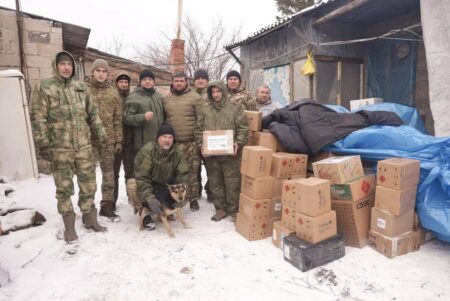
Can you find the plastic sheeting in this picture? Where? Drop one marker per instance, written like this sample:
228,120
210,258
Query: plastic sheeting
381,142
436,34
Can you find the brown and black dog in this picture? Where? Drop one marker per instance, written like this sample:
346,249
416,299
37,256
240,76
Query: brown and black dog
172,199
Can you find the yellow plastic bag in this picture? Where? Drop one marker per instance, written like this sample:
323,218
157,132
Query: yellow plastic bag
309,68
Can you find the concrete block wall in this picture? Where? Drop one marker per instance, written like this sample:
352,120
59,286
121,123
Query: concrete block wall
42,40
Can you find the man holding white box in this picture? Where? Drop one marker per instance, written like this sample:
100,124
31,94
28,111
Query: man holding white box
214,124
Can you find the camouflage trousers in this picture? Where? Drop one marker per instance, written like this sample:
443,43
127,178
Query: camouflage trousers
106,159
224,181
192,156
65,165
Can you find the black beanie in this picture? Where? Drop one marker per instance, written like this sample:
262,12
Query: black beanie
233,73
146,73
201,73
165,129
123,77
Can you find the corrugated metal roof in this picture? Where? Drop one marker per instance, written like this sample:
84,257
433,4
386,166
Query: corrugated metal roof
278,24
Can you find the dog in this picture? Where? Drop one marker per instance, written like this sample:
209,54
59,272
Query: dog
172,198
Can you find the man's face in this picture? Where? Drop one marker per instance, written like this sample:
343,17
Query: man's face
147,83
65,69
165,141
100,74
122,85
263,95
233,82
216,93
201,83
179,83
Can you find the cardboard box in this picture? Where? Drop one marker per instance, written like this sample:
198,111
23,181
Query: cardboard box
395,201
250,229
359,103
286,165
416,223
256,161
254,209
306,256
316,229
354,190
288,217
257,188
275,207
394,246
319,157
288,193
312,196
353,220
271,221
339,170
390,225
218,143
278,233
398,173
254,120
266,140
250,140
424,235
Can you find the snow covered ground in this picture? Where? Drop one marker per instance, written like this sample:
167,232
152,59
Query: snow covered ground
208,262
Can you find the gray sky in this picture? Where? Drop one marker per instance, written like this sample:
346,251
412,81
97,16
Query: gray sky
138,21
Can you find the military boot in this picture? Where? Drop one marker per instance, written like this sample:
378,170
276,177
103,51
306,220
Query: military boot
90,221
194,205
220,214
70,236
107,210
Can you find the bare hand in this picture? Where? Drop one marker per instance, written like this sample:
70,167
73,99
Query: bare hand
203,152
168,94
235,149
148,116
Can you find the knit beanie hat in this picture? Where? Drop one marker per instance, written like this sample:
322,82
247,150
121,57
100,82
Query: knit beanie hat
201,73
165,129
63,57
100,63
233,73
146,73
123,77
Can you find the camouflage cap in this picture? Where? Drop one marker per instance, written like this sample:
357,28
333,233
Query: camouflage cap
100,63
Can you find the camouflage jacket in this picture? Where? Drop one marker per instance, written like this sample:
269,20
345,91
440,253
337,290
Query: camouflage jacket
154,165
223,115
181,112
127,130
62,114
109,105
203,94
136,105
243,97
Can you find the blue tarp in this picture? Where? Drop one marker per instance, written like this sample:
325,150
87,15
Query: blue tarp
380,142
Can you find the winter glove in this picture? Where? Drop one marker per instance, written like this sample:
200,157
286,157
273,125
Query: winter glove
45,153
118,148
155,206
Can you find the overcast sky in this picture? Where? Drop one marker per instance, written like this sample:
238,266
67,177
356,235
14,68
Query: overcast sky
138,21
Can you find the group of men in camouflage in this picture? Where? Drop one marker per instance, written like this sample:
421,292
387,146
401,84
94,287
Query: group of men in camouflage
158,139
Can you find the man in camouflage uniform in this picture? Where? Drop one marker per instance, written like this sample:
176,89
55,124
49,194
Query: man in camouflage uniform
62,115
157,164
223,171
181,110
201,79
108,102
122,82
239,95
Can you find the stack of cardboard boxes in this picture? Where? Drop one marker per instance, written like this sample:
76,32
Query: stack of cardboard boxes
352,196
256,211
392,217
307,212
255,136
